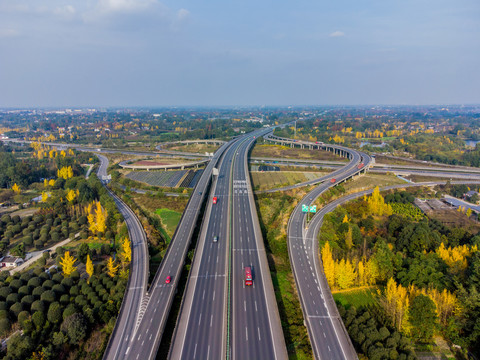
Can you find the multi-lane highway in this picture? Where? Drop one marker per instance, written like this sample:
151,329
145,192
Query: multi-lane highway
203,319
142,333
256,331
327,334
220,316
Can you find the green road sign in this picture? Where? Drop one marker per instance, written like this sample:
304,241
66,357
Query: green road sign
313,208
304,208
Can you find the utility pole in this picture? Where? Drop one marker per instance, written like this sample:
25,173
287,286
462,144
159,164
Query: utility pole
295,135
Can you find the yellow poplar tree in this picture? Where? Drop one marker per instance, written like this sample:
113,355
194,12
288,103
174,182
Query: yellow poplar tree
44,196
89,267
344,274
361,273
16,189
371,272
111,267
469,212
71,195
45,182
376,204
349,239
126,250
67,264
328,264
345,219
395,302
101,218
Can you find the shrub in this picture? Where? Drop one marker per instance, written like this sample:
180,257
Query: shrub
76,328
69,310
27,301
34,282
38,318
4,326
48,296
13,298
16,309
55,312
38,305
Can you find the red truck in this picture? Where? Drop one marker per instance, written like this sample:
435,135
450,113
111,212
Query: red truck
214,199
333,180
248,276
360,166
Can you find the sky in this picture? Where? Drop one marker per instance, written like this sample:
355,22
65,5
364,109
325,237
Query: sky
91,53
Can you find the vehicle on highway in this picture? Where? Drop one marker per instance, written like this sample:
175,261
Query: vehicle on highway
360,166
215,238
333,180
214,199
168,279
248,276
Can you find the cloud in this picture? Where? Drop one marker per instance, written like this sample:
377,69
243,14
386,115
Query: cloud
182,14
66,12
8,33
337,34
125,6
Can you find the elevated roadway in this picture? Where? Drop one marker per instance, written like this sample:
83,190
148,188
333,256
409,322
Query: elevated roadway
142,333
220,318
327,334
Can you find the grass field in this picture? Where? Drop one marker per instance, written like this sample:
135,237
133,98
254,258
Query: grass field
279,151
369,181
275,179
274,211
194,148
355,297
170,219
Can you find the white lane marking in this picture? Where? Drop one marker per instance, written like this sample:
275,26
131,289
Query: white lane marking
244,306
246,333
126,352
211,320
195,351
203,296
256,306
213,294
259,338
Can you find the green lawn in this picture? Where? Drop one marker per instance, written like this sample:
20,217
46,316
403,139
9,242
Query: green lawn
170,220
356,297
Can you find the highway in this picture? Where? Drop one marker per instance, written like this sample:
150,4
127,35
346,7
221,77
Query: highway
256,331
327,334
202,323
137,281
144,324
220,317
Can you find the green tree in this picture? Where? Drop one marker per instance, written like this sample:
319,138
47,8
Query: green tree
83,251
54,314
423,319
19,346
76,328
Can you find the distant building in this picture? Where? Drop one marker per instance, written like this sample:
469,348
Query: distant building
11,261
